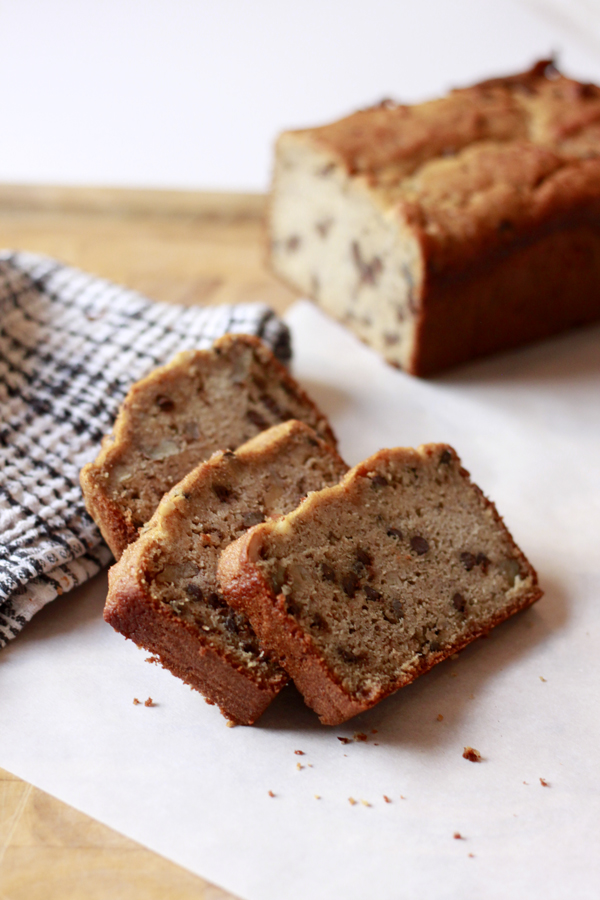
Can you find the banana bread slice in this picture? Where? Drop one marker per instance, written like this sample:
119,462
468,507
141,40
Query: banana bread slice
370,583
176,417
163,592
449,229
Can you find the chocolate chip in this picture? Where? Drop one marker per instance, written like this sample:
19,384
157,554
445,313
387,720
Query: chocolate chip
216,602
398,608
350,584
459,603
274,408
223,492
327,572
378,481
371,593
319,623
390,339
419,544
230,622
435,646
254,517
194,591
255,417
483,561
395,533
293,243
468,560
363,557
349,657
369,272
445,458
165,403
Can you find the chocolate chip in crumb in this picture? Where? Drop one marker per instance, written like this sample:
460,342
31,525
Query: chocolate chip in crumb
482,560
194,591
327,572
434,646
363,557
395,533
223,492
468,560
459,603
255,417
378,481
254,517
165,403
398,608
445,458
372,594
215,602
419,544
350,584
349,657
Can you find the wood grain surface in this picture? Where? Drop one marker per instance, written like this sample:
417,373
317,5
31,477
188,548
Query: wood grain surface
180,247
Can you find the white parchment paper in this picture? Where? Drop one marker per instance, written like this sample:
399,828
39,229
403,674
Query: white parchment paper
527,425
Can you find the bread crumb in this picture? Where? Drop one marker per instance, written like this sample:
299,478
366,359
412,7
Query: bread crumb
230,723
542,678
375,744
544,783
373,731
150,702
299,752
317,796
365,802
471,754
351,801
153,659
298,766
526,782
386,798
310,765
360,736
440,718
402,797
453,674
458,836
472,855
271,794
344,740
136,702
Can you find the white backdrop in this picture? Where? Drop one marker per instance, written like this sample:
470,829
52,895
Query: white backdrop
190,93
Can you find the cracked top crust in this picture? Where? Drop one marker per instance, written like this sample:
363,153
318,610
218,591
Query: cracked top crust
479,169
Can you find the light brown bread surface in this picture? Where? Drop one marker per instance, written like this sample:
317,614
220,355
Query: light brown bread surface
371,582
176,417
163,591
450,229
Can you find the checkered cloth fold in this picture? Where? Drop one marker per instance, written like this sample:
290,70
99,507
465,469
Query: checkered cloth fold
71,345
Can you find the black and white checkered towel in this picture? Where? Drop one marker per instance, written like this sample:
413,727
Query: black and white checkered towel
70,347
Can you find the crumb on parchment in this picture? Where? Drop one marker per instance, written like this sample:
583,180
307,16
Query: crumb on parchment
472,754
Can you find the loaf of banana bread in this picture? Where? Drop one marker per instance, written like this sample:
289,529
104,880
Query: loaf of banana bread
163,592
370,583
176,417
450,229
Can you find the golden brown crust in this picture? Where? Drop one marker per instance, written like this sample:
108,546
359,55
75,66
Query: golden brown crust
247,589
481,168
112,514
131,610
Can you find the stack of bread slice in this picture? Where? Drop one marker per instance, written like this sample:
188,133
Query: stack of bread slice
248,553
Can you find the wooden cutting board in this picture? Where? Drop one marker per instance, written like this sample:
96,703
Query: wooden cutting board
180,247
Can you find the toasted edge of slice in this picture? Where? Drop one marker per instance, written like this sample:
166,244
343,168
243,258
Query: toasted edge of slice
114,517
203,660
247,586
